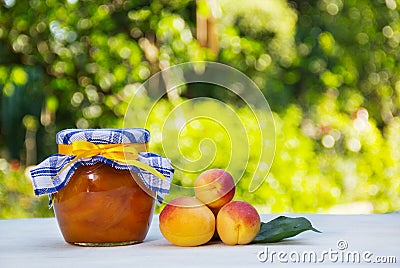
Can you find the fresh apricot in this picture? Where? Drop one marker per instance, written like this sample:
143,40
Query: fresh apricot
214,187
186,221
238,223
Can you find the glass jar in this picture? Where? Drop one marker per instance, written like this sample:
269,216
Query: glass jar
103,185
103,206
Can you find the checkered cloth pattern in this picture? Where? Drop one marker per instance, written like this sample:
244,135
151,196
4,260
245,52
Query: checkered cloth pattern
43,175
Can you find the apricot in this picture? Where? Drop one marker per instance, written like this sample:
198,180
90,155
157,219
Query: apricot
214,187
186,221
238,223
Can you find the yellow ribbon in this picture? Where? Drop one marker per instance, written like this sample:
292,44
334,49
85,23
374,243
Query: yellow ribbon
125,153
83,149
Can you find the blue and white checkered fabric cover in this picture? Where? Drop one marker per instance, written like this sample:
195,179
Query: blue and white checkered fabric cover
104,136
43,174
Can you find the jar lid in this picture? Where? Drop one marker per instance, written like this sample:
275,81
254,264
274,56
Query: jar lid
53,173
104,136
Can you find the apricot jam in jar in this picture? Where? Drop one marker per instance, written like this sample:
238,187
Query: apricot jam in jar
103,185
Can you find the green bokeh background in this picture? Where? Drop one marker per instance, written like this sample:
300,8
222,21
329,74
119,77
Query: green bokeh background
330,70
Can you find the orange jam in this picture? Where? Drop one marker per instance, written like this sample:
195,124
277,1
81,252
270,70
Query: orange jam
104,206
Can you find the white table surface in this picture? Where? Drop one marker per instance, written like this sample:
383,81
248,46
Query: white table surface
38,243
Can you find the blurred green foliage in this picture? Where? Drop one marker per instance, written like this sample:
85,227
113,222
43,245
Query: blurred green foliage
16,199
329,69
351,162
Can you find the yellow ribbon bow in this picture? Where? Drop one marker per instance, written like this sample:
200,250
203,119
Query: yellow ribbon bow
125,153
83,149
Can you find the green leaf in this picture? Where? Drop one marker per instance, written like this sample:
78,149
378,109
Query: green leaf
281,228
